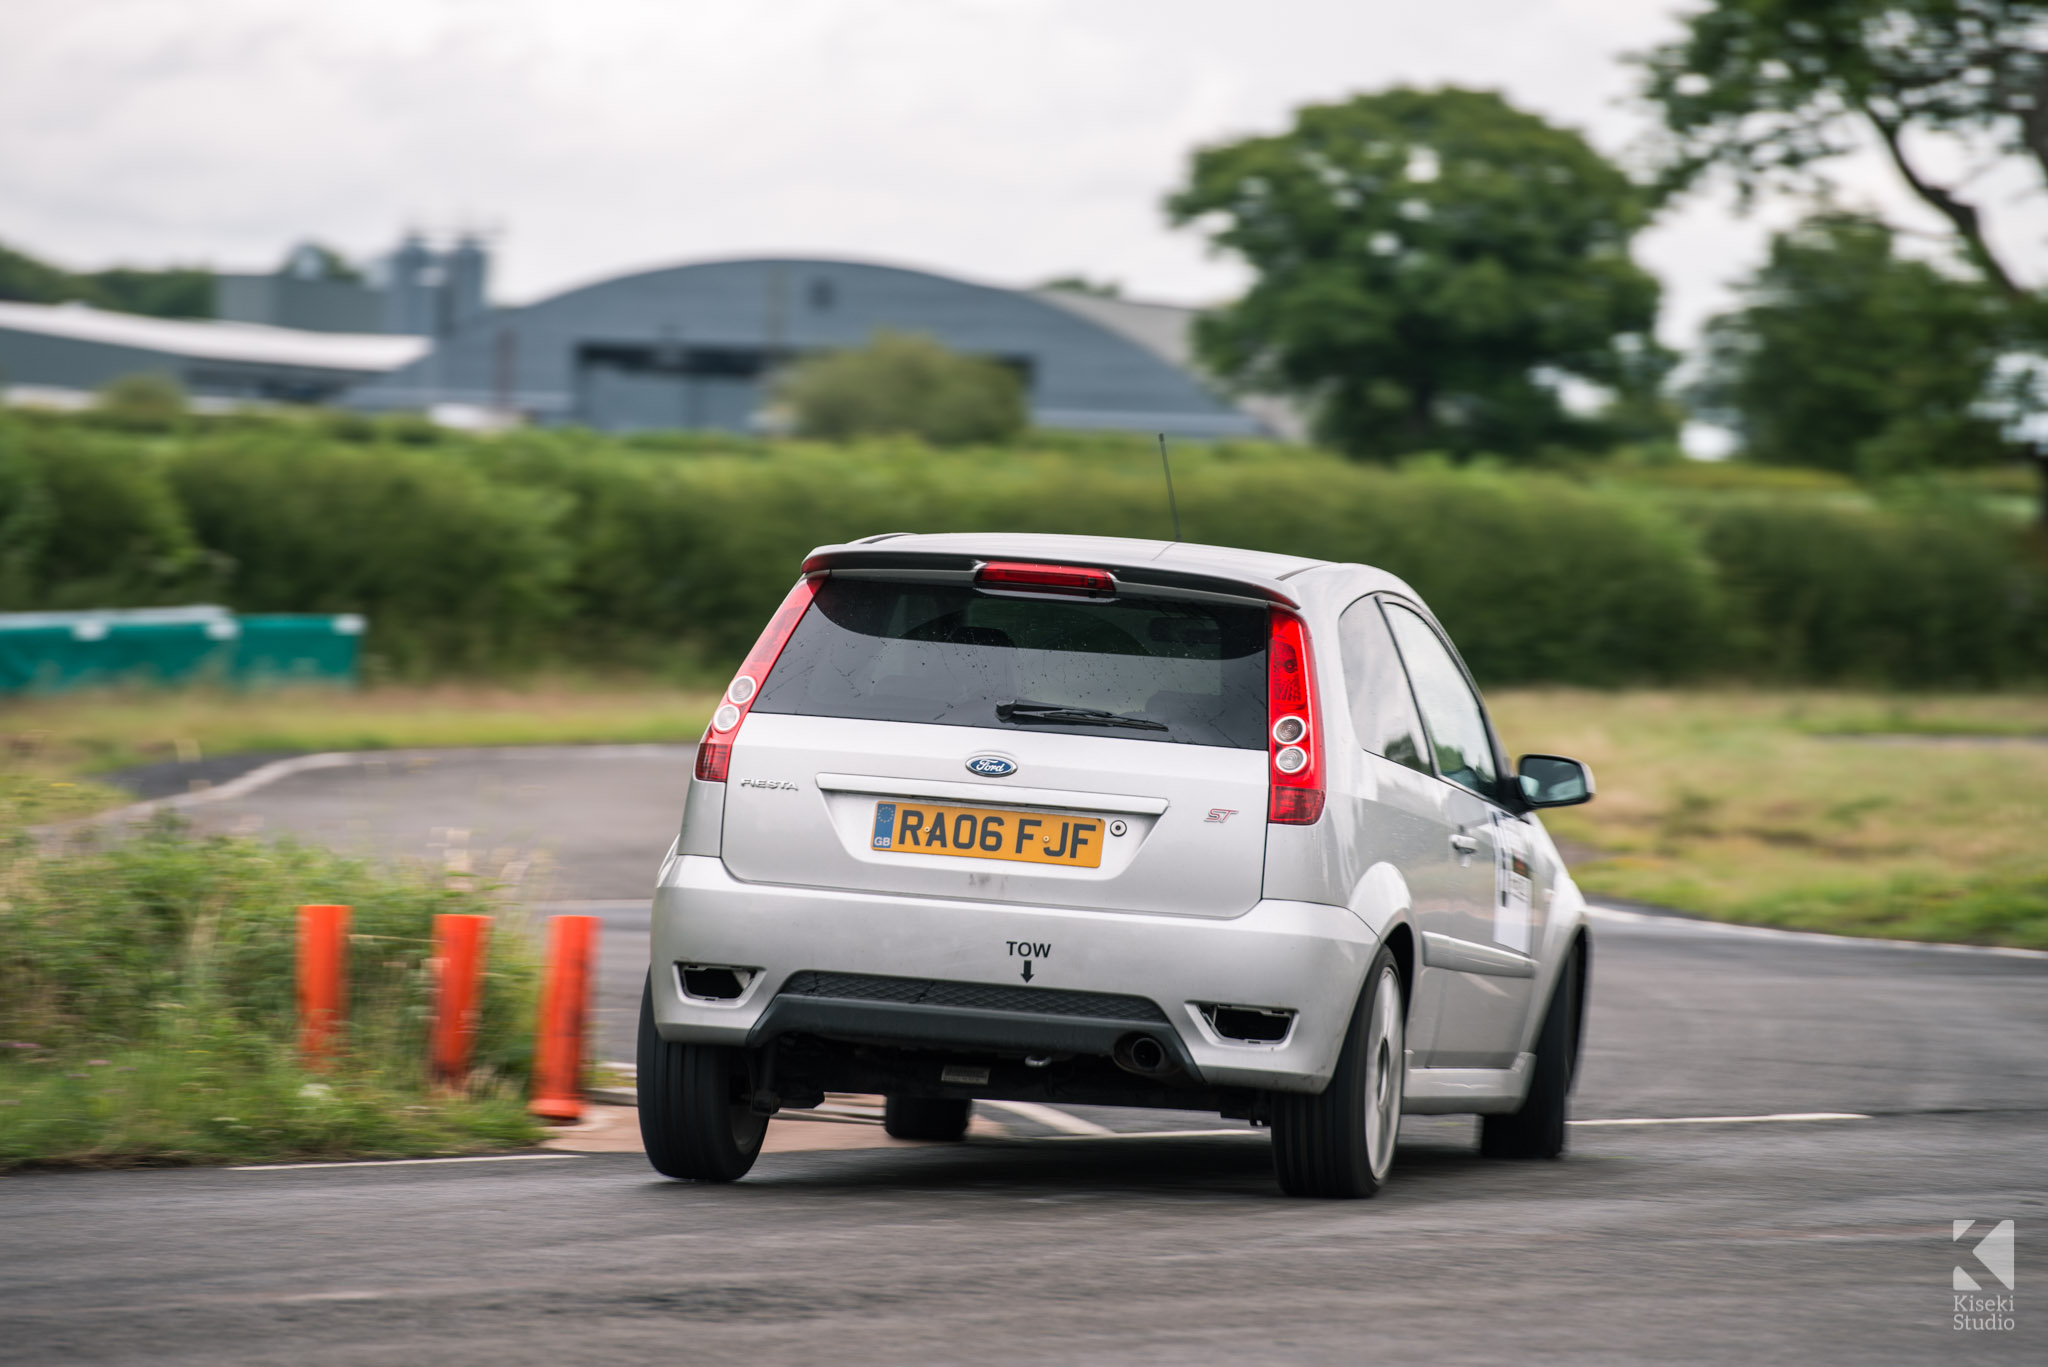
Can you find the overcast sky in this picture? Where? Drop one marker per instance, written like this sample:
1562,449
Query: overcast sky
1002,140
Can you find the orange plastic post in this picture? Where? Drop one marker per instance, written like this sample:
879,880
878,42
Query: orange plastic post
323,979
460,943
564,1011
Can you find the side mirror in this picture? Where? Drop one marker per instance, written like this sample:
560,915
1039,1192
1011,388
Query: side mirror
1554,781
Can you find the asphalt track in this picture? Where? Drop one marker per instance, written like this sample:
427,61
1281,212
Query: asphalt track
1706,1240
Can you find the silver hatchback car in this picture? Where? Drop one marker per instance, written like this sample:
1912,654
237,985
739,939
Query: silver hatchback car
1083,820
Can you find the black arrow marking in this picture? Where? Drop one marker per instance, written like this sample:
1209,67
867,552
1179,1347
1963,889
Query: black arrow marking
1027,970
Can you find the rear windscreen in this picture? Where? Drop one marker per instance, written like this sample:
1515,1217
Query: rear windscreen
1134,668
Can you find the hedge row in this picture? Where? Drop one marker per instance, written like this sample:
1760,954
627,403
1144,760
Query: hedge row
532,547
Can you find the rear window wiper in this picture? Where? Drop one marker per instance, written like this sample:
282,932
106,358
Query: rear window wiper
1021,711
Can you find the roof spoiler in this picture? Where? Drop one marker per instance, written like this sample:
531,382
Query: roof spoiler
882,560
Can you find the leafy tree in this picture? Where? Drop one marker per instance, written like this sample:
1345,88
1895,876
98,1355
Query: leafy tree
318,261
900,383
142,399
1430,265
1082,284
1770,90
1849,356
177,292
25,280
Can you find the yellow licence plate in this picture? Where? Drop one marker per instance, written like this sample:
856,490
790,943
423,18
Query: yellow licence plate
988,833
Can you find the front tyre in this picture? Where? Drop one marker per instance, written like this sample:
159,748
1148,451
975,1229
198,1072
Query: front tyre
695,1118
1537,1130
1341,1144
918,1117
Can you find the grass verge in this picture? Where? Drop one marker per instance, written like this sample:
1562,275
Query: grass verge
53,749
147,1011
1915,817
1873,813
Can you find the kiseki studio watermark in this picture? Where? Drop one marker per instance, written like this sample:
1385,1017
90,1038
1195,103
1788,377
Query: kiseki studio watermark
1983,1282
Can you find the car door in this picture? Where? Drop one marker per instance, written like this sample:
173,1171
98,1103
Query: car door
1475,940
1397,813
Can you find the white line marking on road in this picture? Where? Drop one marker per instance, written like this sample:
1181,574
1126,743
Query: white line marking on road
265,775
1142,1134
1071,1127
1052,1118
1687,925
261,777
402,1162
824,1117
1784,1118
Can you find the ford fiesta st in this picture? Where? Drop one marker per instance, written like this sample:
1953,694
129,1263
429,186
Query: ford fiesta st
1096,821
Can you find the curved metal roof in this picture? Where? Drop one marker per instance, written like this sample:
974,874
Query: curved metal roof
536,358
211,340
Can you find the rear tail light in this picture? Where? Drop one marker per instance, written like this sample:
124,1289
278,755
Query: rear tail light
1294,732
1017,574
714,752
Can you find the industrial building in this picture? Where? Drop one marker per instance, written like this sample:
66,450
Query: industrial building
59,353
692,346
696,346
417,289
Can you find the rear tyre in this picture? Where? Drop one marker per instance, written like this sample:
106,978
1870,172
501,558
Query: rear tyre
695,1119
917,1117
1537,1130
1341,1144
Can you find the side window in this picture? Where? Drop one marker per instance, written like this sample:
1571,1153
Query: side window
1382,708
1457,727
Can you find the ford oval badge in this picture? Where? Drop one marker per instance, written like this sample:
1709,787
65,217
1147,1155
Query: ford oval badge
991,766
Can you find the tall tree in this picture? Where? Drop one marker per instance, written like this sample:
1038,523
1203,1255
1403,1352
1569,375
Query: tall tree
1848,356
1432,266
175,292
1769,90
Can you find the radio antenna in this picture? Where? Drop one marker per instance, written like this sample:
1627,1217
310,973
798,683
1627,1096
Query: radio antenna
1171,502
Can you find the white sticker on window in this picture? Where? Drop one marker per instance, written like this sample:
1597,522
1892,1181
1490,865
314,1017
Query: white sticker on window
1513,882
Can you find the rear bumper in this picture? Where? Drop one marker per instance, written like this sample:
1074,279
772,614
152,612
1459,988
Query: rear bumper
1301,956
920,1013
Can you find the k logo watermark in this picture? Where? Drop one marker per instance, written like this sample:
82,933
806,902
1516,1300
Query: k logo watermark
1991,1253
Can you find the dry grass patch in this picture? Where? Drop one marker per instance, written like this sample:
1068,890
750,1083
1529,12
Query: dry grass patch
1918,817
51,748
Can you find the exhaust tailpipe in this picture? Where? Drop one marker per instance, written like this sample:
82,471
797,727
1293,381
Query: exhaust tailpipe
1143,1055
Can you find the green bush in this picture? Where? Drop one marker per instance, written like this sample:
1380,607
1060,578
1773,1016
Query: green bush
475,552
144,399
1839,594
147,1010
453,567
904,385
87,519
1539,579
1536,579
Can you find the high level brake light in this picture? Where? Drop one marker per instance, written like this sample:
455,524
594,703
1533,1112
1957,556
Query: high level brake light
1294,732
714,752
1019,574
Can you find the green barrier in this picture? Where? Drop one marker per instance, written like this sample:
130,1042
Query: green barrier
278,648
52,652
